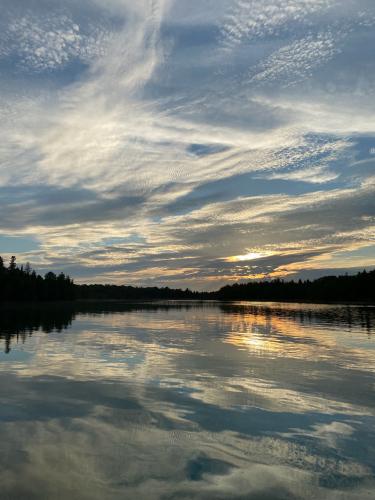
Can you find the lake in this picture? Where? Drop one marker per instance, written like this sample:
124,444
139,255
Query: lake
187,401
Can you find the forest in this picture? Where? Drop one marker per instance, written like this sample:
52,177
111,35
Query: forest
24,284
21,283
346,288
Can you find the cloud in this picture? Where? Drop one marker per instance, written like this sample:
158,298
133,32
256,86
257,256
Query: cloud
261,18
293,233
315,175
51,42
296,62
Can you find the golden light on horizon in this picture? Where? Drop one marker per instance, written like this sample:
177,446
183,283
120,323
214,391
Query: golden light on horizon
248,256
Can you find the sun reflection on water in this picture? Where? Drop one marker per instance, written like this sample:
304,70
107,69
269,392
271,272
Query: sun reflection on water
195,401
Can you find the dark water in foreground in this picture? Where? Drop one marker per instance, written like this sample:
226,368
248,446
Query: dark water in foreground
233,401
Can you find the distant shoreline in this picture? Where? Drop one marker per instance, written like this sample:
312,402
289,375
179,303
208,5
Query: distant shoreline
23,284
370,303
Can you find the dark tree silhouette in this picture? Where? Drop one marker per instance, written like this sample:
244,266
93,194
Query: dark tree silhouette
23,284
115,292
358,288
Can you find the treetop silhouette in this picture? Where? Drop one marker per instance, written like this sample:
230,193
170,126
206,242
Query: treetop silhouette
24,284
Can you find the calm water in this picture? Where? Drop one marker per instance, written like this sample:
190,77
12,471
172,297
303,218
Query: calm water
192,401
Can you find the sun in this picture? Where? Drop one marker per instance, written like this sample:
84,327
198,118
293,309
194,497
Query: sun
247,256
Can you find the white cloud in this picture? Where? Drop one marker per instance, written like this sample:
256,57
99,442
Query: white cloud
295,62
260,18
51,42
315,175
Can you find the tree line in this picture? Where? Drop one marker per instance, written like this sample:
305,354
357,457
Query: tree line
122,292
24,284
355,288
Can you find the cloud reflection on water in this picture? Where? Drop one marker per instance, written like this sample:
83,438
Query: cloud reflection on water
212,402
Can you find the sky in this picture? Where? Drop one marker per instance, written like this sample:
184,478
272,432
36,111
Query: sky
188,143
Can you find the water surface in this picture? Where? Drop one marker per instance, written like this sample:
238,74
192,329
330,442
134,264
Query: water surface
187,401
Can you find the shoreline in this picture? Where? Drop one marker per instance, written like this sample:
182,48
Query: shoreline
183,301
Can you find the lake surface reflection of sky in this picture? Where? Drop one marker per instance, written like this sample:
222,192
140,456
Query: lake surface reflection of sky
187,401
